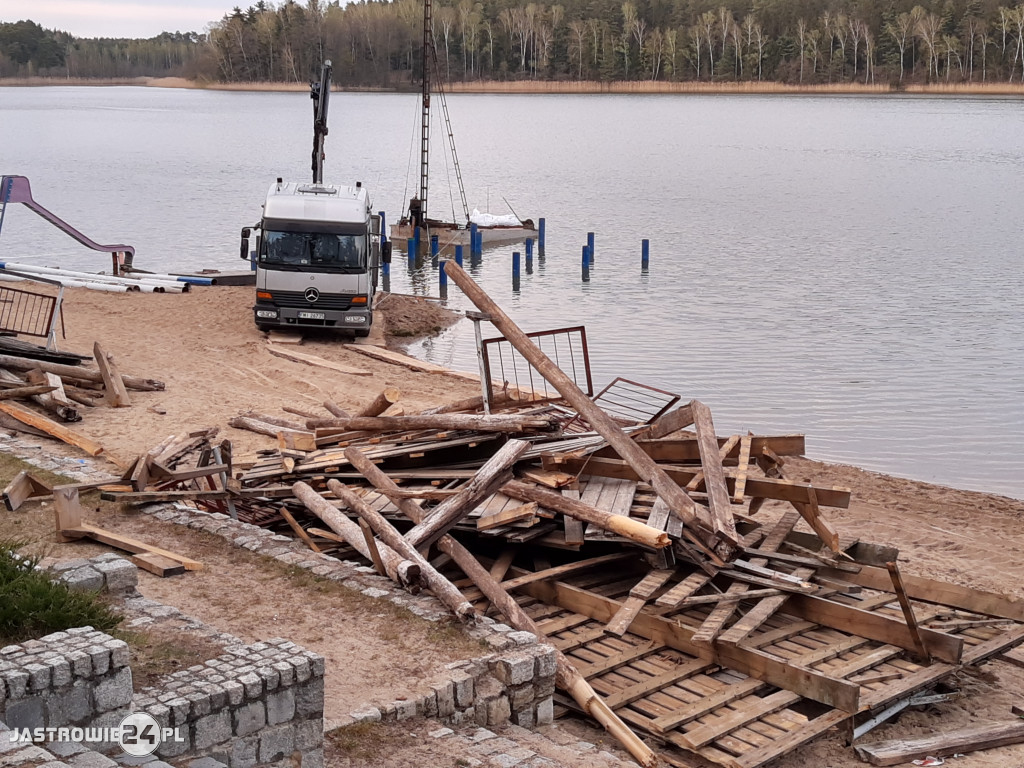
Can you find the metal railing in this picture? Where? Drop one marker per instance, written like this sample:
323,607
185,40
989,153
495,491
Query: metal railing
566,347
31,314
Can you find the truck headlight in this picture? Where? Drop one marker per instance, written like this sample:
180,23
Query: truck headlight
267,313
355,319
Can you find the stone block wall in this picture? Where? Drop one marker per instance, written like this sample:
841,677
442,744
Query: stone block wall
108,572
257,704
76,678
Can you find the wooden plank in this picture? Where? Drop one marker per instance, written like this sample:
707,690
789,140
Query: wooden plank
52,428
23,487
743,466
638,597
812,514
740,716
714,472
371,545
298,529
654,683
302,357
684,589
396,358
942,744
507,516
116,394
908,611
131,545
707,704
568,569
613,662
757,615
296,440
685,449
157,564
768,488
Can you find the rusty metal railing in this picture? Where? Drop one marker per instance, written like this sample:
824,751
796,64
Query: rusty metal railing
567,348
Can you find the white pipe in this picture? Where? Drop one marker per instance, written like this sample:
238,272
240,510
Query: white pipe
74,275
67,283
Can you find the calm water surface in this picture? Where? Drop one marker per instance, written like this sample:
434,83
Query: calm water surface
850,268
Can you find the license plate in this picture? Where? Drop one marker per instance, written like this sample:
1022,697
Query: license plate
311,315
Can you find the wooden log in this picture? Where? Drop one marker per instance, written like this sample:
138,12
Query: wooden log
254,425
399,569
81,396
681,504
942,744
16,392
266,418
567,677
470,404
24,486
387,397
495,472
59,406
335,410
444,421
443,589
77,372
620,525
116,393
51,427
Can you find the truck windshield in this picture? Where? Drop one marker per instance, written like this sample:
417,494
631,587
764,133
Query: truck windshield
314,250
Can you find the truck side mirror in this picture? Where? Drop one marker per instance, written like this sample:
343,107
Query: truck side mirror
246,231
385,253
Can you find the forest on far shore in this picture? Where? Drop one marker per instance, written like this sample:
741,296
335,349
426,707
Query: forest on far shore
377,44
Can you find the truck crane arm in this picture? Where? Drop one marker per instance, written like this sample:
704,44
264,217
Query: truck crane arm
320,93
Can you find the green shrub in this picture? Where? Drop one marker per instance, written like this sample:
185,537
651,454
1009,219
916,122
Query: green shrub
33,604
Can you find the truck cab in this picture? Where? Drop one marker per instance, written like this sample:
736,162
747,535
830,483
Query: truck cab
317,250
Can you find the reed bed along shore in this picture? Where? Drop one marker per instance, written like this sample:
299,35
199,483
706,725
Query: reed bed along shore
570,86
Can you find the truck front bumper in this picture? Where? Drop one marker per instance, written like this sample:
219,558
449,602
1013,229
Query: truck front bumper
267,314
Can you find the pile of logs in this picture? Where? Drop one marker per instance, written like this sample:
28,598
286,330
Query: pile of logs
58,386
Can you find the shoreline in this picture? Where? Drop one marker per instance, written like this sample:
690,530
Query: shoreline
543,87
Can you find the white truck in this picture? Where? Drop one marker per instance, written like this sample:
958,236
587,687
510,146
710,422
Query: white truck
317,248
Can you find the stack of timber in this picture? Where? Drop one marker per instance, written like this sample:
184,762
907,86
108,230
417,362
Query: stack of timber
729,636
41,392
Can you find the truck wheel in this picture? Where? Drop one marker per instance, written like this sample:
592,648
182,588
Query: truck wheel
362,333
262,327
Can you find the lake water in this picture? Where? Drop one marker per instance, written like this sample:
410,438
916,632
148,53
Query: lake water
850,268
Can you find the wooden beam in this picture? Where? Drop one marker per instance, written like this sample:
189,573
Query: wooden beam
938,592
714,473
812,514
942,744
908,612
561,571
638,597
16,363
51,427
743,466
158,565
505,423
873,626
299,530
67,512
116,393
505,517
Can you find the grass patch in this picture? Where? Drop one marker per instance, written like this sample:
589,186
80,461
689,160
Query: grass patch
363,741
32,604
160,651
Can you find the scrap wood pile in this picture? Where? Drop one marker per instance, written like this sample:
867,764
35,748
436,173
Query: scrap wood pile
696,595
42,391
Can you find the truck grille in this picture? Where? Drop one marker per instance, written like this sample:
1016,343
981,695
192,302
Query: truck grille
296,300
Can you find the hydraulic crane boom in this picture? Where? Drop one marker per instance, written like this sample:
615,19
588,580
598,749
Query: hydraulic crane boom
321,94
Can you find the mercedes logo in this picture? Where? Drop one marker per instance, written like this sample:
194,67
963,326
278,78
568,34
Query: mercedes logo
311,295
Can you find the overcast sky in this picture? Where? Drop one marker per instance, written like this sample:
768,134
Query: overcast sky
118,18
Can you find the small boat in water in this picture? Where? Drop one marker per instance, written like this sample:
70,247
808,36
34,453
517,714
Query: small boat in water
493,230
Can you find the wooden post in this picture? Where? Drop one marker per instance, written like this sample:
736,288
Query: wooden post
567,677
443,589
67,511
681,504
400,571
